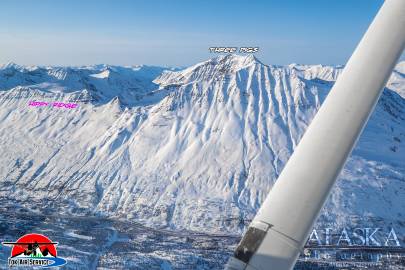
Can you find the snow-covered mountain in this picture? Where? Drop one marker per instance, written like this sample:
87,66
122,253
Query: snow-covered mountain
195,149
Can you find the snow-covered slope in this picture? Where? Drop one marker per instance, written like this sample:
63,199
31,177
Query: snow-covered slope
194,149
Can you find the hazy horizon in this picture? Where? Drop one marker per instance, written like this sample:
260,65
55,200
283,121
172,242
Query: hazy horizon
2,64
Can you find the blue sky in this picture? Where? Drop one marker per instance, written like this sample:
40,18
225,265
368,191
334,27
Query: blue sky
179,32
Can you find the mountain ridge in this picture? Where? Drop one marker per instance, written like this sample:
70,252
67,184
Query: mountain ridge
191,149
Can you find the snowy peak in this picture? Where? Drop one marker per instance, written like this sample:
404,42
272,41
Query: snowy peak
10,65
235,61
213,69
310,72
233,81
97,84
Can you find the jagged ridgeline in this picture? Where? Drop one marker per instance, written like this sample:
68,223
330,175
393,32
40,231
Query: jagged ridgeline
196,149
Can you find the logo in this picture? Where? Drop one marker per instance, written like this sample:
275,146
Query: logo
34,250
353,247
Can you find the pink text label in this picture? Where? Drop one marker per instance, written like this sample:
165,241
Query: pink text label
53,104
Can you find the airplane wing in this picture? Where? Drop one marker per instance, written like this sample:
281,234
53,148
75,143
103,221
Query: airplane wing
278,233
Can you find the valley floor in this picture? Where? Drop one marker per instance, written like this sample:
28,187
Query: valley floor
100,243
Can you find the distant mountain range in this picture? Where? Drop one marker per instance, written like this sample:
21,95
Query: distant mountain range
191,149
